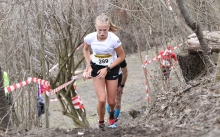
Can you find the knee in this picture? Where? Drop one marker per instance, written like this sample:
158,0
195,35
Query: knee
117,106
117,100
111,103
102,102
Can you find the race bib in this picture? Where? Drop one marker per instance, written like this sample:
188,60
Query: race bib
166,63
102,59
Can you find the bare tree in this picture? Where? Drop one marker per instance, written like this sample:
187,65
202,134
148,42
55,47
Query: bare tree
196,27
40,23
63,25
66,36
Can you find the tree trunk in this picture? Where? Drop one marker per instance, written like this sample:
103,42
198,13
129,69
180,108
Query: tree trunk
42,56
69,40
4,108
195,26
191,64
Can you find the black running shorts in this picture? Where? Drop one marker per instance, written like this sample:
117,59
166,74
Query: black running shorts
119,79
112,75
166,72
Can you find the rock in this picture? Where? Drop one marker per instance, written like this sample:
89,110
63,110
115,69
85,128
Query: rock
191,61
212,38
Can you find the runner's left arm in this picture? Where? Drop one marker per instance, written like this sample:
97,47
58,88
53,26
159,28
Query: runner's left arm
124,70
124,75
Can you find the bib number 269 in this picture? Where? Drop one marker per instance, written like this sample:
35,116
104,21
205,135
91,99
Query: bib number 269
103,61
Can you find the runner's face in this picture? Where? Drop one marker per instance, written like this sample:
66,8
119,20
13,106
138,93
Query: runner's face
102,30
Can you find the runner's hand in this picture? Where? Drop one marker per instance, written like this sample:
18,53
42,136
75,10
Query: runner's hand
120,90
102,73
87,74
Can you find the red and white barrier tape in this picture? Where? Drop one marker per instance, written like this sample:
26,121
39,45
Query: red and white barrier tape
148,62
63,86
53,67
159,56
169,6
68,55
26,82
56,99
77,102
74,84
40,81
147,97
16,86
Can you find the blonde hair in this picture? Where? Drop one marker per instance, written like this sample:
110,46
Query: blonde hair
103,18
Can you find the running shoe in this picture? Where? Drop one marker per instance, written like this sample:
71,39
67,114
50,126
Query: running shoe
113,125
111,121
101,124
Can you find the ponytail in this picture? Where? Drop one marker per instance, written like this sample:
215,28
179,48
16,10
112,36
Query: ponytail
113,28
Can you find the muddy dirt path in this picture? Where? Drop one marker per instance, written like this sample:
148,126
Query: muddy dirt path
133,96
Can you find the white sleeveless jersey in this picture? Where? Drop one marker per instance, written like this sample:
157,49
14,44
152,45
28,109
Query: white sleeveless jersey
103,51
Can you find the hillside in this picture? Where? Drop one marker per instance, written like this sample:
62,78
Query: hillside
184,110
